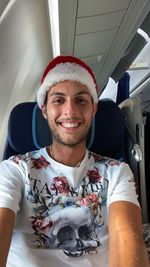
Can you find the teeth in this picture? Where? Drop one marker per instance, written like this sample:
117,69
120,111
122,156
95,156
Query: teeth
70,125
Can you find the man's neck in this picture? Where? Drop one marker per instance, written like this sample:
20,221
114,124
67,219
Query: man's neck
68,155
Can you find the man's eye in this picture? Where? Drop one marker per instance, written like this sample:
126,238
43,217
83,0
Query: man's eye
82,101
58,101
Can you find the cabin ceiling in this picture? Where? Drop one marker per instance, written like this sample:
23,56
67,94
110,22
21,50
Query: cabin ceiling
97,31
100,32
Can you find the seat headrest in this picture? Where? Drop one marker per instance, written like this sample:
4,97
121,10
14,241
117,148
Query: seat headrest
40,131
109,130
20,128
28,130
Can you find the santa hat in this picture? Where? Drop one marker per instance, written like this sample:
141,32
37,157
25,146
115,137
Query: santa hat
63,68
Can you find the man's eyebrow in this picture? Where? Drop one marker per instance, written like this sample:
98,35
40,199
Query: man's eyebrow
63,94
83,93
57,93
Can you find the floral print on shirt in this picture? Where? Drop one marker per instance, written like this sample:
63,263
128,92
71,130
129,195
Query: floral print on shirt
64,217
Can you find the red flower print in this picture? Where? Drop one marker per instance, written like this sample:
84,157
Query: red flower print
94,175
113,162
16,159
40,163
40,223
60,184
90,200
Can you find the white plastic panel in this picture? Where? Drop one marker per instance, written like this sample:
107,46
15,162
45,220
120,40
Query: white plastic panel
99,22
94,7
94,43
25,49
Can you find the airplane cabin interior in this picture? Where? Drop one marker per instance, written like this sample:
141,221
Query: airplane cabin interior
113,38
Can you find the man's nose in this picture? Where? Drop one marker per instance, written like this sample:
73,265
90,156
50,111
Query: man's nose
70,108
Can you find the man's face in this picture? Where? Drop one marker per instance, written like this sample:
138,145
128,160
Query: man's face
69,111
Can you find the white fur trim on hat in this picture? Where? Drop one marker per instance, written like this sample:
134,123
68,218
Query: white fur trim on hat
66,71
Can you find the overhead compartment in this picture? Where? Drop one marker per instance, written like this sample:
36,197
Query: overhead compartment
103,33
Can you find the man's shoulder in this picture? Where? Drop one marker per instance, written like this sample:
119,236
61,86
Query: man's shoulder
104,159
33,157
104,162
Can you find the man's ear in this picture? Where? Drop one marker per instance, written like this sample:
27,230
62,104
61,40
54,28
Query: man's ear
44,111
95,106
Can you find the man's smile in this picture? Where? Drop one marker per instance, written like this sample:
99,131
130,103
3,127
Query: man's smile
69,124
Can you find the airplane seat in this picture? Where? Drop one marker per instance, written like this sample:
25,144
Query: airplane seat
109,131
8,150
19,139
134,143
146,227
28,130
21,134
147,157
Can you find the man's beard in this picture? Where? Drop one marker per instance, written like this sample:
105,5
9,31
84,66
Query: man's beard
56,137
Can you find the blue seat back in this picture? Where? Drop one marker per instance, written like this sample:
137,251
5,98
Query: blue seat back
28,130
109,130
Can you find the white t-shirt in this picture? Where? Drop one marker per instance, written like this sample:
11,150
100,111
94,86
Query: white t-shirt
61,211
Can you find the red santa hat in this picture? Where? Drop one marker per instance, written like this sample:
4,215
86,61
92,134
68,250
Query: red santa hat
63,68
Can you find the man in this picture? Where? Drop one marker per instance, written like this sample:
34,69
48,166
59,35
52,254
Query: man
58,204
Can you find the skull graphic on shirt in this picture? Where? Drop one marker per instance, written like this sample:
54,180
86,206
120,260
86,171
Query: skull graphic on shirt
74,231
